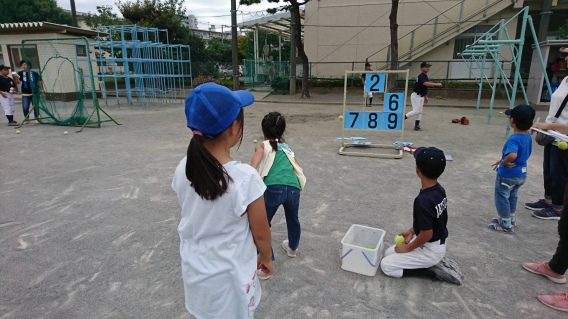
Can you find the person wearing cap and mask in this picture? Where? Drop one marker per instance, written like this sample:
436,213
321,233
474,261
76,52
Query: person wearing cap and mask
512,167
425,242
7,87
367,94
223,216
419,96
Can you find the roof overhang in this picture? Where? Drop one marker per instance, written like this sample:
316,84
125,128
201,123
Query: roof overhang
276,24
45,27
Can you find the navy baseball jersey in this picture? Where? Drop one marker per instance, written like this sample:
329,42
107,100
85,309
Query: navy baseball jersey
419,87
430,212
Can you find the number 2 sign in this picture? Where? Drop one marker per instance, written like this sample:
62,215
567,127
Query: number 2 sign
375,82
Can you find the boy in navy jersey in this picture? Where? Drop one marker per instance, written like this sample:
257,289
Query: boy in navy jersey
425,242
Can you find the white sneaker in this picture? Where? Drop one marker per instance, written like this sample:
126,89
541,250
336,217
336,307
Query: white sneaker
261,275
291,253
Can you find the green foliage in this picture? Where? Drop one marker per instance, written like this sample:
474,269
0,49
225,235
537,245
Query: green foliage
562,33
33,11
280,85
219,50
271,40
103,17
161,14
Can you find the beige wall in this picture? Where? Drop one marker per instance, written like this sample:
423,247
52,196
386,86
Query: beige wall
354,30
59,76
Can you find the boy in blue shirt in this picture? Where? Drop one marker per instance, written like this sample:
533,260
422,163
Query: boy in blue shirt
512,168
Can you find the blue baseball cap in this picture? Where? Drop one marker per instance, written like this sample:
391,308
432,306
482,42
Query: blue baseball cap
211,108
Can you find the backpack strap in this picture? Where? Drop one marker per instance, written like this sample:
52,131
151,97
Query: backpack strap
561,108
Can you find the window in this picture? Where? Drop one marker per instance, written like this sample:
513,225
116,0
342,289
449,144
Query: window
29,53
468,37
81,50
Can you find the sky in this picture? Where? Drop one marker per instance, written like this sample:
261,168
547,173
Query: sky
214,12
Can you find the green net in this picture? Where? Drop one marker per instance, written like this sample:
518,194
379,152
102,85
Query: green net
65,92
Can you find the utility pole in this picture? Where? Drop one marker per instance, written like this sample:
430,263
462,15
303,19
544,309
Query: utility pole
292,53
544,20
74,14
235,45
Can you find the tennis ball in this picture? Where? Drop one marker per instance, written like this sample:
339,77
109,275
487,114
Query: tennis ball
65,133
17,131
398,239
500,112
371,247
562,145
255,141
341,117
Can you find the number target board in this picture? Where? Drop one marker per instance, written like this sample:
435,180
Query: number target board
389,117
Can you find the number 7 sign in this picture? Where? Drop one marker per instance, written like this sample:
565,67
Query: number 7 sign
375,82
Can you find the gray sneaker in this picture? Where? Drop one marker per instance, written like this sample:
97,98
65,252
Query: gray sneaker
448,270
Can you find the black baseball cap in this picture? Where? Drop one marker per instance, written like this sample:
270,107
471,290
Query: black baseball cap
425,64
431,161
4,67
367,64
521,112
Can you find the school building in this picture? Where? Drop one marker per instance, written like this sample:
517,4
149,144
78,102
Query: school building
341,35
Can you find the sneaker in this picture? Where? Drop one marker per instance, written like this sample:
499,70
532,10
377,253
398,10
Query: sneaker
291,253
547,213
496,220
417,128
559,301
541,269
540,205
261,275
447,270
13,123
499,227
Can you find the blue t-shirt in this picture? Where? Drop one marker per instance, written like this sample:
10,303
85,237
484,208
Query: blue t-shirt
522,145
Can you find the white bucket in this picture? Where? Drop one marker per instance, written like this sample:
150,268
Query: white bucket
362,249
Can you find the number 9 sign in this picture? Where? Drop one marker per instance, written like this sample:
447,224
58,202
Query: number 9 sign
375,82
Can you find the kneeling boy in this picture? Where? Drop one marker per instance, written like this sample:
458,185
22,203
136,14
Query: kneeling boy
425,241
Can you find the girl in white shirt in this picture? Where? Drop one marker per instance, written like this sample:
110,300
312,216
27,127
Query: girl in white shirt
223,218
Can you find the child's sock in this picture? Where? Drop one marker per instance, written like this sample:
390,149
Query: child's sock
10,118
370,101
506,222
420,272
513,219
416,123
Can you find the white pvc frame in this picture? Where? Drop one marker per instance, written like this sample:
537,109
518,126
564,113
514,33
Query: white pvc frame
400,148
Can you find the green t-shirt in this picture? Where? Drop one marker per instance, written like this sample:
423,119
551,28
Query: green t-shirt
282,172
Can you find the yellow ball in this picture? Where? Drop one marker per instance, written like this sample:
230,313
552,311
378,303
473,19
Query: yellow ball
562,145
500,112
398,239
255,141
341,117
18,132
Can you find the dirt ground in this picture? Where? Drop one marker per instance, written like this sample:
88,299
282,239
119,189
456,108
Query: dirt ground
88,221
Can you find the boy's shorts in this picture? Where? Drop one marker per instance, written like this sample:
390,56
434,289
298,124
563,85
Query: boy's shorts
426,256
7,103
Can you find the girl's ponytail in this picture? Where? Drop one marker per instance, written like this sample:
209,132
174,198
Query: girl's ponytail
207,175
273,127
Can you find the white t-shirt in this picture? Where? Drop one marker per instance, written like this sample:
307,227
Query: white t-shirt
555,102
218,254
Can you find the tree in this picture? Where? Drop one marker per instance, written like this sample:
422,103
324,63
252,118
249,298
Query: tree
292,6
391,84
243,46
33,11
161,14
219,50
103,17
562,33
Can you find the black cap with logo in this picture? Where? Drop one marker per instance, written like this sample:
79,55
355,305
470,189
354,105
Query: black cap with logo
431,161
425,65
521,112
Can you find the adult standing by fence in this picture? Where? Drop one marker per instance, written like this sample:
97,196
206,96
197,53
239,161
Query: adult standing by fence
419,95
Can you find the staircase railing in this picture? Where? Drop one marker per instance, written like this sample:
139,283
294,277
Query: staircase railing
432,31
